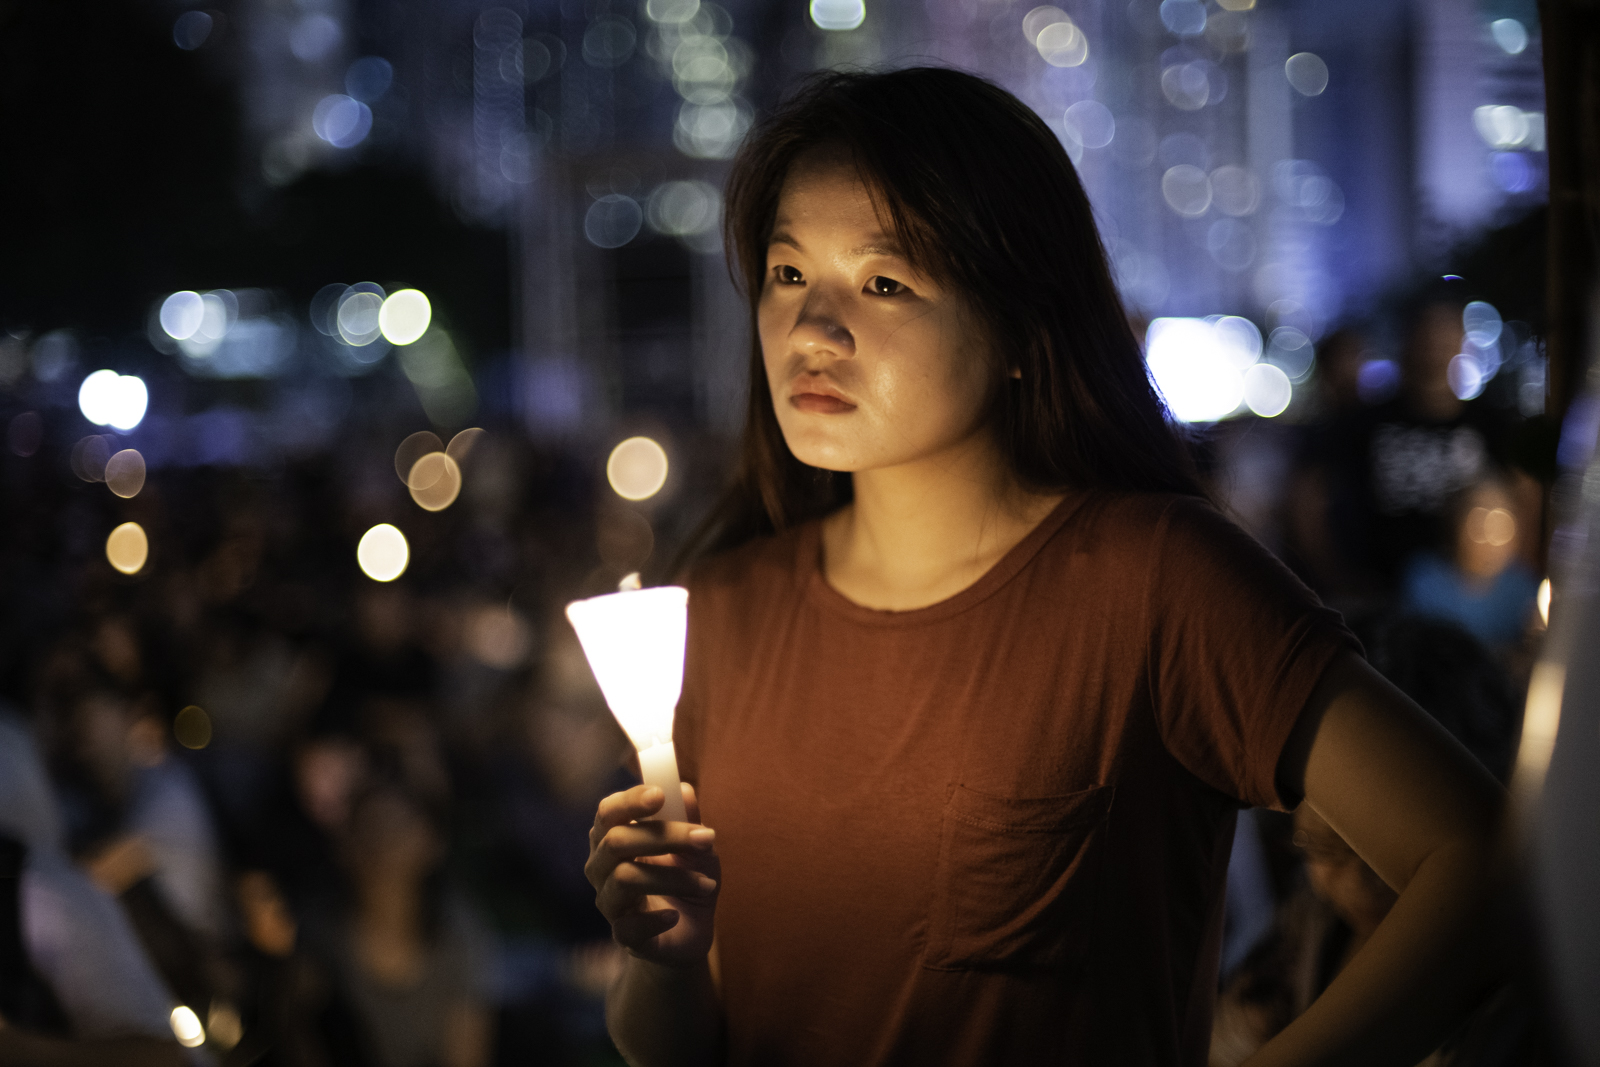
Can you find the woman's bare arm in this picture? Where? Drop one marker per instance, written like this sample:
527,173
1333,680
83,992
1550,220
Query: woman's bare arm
1425,816
660,1015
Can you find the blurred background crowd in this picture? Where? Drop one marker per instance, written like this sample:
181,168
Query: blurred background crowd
342,342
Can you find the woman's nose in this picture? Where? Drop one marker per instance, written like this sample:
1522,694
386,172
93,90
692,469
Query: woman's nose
819,330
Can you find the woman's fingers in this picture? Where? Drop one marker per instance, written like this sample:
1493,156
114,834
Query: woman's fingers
612,842
640,802
631,883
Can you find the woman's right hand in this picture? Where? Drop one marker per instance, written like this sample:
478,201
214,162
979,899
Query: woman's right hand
655,882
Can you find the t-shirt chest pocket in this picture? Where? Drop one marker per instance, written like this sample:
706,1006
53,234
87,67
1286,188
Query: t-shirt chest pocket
1018,880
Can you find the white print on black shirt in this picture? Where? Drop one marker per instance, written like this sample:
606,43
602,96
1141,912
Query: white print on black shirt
1417,469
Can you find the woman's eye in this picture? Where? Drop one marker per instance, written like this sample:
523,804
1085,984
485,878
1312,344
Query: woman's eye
787,275
881,286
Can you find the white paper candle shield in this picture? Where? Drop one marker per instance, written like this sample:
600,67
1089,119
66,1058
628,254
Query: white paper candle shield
634,642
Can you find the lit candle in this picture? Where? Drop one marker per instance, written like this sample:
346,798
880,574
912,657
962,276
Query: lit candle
634,641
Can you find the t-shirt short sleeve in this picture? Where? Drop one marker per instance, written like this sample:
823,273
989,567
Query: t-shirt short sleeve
1238,643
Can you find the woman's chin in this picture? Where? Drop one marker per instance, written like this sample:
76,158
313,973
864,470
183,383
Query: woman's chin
828,455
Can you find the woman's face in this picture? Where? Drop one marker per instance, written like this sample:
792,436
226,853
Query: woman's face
871,364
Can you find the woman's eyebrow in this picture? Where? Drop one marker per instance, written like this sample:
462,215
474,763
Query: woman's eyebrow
880,246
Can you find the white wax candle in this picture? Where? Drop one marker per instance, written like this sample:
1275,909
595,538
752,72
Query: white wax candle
658,765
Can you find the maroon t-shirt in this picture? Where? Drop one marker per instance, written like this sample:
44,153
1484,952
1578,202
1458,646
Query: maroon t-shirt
994,830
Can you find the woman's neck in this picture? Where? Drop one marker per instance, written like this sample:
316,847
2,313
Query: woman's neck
920,533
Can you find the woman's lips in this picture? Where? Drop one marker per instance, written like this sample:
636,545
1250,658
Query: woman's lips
820,403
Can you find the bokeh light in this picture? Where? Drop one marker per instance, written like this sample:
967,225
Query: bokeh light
462,444
435,370
90,456
107,398
192,727
191,30
186,1027
1196,367
181,314
1239,340
1307,73
497,637
1089,123
404,316
368,78
412,449
1303,185
1512,171
127,548
609,41
1183,17
1503,126
1228,32
1187,86
125,472
1187,190
198,322
838,14
1377,380
711,131
434,481
1038,19
1491,526
224,1028
1482,324
1466,376
314,37
671,11
383,553
1290,347
1231,243
1510,35
613,220
1235,191
342,121
357,316
1062,44
684,208
637,468
1544,601
1267,390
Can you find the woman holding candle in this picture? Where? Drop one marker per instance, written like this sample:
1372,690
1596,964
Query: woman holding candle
976,678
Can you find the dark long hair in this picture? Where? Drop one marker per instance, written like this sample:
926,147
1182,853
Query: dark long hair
983,198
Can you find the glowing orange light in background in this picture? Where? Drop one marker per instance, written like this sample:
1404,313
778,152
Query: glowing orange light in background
435,481
383,553
637,468
192,727
128,548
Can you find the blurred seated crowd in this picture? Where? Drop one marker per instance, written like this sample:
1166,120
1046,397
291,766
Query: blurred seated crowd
1420,515
258,809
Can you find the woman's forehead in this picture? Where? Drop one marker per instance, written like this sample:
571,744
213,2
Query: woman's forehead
825,192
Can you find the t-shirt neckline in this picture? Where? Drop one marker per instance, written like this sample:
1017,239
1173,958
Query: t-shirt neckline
820,593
